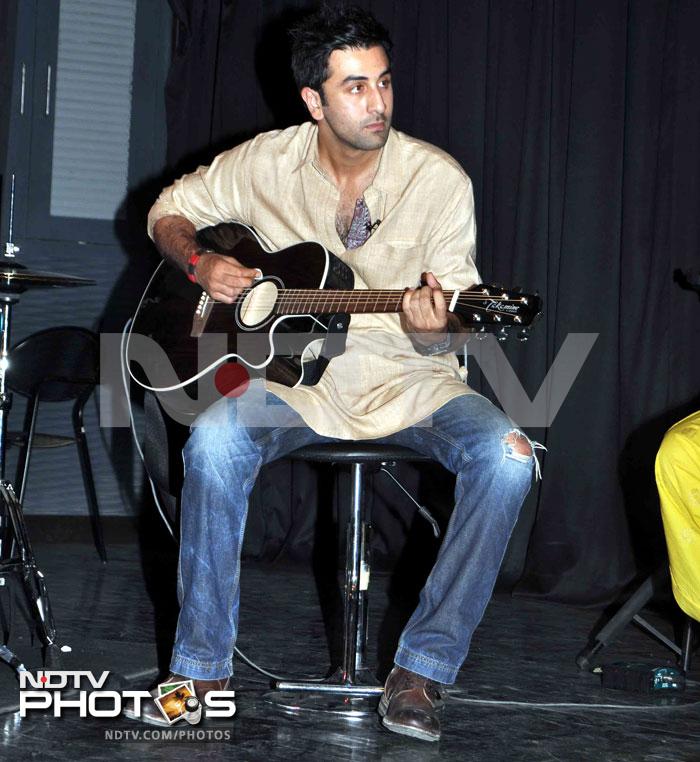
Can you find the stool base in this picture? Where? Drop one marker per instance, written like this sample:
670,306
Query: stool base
335,695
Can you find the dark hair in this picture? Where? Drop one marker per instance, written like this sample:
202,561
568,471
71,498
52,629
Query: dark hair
331,28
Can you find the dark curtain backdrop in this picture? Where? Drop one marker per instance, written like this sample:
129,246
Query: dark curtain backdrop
578,124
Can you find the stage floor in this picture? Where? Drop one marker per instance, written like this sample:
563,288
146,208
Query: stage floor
120,617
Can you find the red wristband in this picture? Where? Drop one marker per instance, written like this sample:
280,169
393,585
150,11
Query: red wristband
191,264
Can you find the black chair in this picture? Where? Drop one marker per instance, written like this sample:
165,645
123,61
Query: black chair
56,365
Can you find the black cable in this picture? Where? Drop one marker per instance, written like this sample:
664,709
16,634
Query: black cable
554,705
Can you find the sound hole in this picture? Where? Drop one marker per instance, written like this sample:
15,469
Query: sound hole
258,304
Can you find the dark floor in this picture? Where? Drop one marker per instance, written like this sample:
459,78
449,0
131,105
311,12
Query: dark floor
523,652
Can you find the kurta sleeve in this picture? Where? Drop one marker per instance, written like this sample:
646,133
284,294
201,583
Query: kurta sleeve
209,195
451,251
452,247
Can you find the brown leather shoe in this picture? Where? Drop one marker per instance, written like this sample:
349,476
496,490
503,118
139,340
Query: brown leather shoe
409,705
150,712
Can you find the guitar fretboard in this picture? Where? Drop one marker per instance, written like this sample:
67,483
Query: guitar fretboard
324,301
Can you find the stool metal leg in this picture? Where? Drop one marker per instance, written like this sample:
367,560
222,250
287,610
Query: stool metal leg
352,682
687,653
354,635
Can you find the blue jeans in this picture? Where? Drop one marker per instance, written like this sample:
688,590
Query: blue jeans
234,438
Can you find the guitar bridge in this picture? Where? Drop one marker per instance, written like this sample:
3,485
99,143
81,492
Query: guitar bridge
201,315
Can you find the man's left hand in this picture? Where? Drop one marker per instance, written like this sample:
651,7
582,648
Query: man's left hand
425,311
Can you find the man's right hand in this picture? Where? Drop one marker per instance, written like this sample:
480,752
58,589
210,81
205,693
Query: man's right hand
222,277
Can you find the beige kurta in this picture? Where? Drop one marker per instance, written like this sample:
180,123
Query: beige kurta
424,200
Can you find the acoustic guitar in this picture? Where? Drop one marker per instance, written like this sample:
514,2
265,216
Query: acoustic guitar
288,324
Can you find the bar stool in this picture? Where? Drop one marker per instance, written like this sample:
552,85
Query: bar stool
352,689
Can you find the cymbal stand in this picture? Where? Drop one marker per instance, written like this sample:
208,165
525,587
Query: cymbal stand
16,555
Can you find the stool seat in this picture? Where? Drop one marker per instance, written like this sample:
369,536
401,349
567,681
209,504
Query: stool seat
356,452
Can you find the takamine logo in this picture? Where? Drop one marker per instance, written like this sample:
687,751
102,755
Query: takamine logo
44,691
494,306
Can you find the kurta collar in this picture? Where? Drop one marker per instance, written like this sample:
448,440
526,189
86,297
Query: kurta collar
389,176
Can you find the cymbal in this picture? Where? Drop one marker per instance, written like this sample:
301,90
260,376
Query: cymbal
16,278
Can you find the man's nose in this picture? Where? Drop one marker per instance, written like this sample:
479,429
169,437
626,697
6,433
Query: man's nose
377,105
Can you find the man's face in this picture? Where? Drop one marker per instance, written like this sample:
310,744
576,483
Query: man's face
358,97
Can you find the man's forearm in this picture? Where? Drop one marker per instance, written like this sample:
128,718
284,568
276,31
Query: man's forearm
221,275
175,238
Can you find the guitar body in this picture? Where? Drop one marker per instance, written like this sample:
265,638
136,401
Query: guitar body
272,345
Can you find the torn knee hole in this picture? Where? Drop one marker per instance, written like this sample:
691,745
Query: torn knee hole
518,444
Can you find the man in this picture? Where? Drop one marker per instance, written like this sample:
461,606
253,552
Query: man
335,180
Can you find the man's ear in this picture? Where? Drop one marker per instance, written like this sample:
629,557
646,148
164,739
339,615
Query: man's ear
312,99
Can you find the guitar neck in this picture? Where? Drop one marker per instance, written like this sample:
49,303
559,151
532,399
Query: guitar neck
326,301
480,305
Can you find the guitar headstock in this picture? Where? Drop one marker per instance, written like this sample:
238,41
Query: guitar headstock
490,308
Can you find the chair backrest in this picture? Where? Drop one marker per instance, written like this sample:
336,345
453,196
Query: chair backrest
57,364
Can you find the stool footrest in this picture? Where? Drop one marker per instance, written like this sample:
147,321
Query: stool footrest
336,695
340,688
364,684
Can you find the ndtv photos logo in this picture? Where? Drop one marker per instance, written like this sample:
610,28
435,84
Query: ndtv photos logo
44,690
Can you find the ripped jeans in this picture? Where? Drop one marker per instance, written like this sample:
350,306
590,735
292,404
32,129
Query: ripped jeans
469,436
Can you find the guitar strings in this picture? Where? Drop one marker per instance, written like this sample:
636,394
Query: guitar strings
307,302
357,296
369,299
379,297
294,293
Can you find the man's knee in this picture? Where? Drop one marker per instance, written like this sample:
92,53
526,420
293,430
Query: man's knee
517,446
220,439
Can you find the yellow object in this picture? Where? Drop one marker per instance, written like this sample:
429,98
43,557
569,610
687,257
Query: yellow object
678,481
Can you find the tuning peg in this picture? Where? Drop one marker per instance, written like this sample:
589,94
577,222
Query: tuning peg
523,335
502,335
